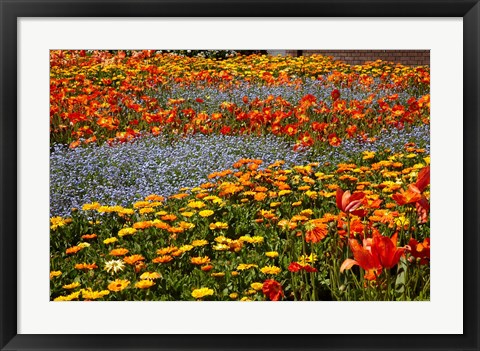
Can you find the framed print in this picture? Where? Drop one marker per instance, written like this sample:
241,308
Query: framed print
239,175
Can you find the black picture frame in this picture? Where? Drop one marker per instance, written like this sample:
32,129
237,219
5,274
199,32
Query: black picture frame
11,10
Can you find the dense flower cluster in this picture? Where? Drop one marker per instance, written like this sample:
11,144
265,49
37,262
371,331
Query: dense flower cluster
290,228
97,96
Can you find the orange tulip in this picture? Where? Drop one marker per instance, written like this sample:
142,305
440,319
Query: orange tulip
423,179
408,196
386,250
363,258
413,195
375,255
348,202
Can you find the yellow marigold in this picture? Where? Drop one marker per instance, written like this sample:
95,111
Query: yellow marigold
118,285
166,250
221,247
271,254
199,242
57,222
368,155
270,270
211,197
200,260
303,260
126,211
296,203
275,204
91,206
187,214
222,239
126,231
205,213
244,266
141,204
150,275
161,225
251,240
218,225
233,296
297,218
218,274
257,286
306,212
72,296
186,225
144,284
110,240
185,248
257,239
284,192
202,292
71,286
54,274
104,209
142,225
196,204
89,294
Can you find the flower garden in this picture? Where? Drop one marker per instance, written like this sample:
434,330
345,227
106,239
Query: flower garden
227,177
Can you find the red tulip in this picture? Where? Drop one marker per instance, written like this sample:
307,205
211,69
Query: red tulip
420,250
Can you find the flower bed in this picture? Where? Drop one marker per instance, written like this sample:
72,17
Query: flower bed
247,178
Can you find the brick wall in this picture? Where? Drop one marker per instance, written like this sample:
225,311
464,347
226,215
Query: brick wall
356,57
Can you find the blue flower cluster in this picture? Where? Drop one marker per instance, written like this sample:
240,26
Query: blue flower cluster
124,173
